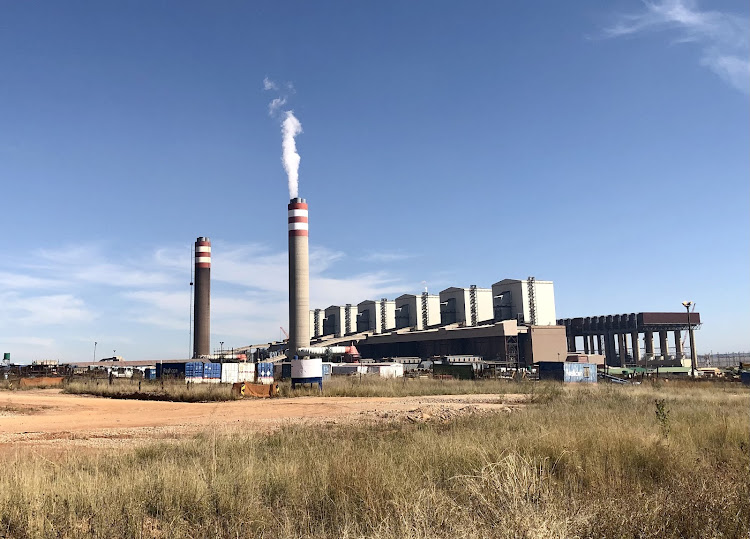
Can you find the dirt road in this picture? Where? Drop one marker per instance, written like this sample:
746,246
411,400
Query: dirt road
49,417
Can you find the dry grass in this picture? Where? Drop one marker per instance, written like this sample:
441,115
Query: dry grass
584,462
338,386
173,390
374,386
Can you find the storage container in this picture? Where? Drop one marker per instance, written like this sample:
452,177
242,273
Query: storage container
212,370
170,370
230,373
567,372
265,373
246,372
194,369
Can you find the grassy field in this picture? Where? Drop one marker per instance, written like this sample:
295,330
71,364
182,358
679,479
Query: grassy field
338,386
176,390
374,386
597,461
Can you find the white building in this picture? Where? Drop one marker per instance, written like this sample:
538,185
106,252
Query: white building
411,309
468,306
340,320
528,301
376,316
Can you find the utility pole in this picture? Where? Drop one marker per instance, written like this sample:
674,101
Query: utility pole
687,305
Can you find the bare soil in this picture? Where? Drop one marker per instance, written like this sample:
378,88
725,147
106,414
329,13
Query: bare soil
50,418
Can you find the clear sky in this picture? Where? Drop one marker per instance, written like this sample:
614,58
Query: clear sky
601,145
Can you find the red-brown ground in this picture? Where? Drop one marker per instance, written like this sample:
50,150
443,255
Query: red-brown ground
49,417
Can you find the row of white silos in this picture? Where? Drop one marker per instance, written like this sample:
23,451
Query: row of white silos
528,301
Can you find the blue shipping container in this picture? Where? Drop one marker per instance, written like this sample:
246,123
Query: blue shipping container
264,370
149,374
170,370
212,370
745,378
194,369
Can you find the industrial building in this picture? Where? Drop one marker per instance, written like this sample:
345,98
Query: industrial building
468,306
513,323
503,342
340,320
376,316
529,301
617,336
417,312
317,316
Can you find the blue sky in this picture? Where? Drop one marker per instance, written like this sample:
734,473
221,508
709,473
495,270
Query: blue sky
601,145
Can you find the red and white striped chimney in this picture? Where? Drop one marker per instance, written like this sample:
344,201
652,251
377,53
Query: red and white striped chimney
202,306
299,276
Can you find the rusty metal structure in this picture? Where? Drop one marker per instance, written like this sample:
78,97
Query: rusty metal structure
609,335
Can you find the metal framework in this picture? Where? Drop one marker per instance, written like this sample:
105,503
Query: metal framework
473,304
531,285
316,322
425,316
511,352
348,318
383,317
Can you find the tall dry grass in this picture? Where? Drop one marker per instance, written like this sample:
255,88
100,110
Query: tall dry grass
582,462
338,386
169,390
375,386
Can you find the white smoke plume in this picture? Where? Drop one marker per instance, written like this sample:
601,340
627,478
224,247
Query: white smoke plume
268,84
290,128
275,105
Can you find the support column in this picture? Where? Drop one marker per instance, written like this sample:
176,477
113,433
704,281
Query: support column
636,348
591,344
571,343
623,344
678,344
693,354
648,336
609,348
663,345
585,344
600,339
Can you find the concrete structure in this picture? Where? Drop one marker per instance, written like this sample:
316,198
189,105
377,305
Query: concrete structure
202,298
299,276
340,320
527,301
376,316
467,306
417,312
504,342
610,335
316,323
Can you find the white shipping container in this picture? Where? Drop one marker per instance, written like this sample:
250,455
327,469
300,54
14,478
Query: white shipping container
348,368
194,379
246,372
390,370
230,373
267,380
212,380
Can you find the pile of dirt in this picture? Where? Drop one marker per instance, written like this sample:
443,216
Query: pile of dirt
434,413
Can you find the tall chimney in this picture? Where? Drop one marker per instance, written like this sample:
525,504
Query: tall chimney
299,277
202,306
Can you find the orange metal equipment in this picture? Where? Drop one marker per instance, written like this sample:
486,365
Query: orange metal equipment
246,389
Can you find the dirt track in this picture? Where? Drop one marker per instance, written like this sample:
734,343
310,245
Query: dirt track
49,417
